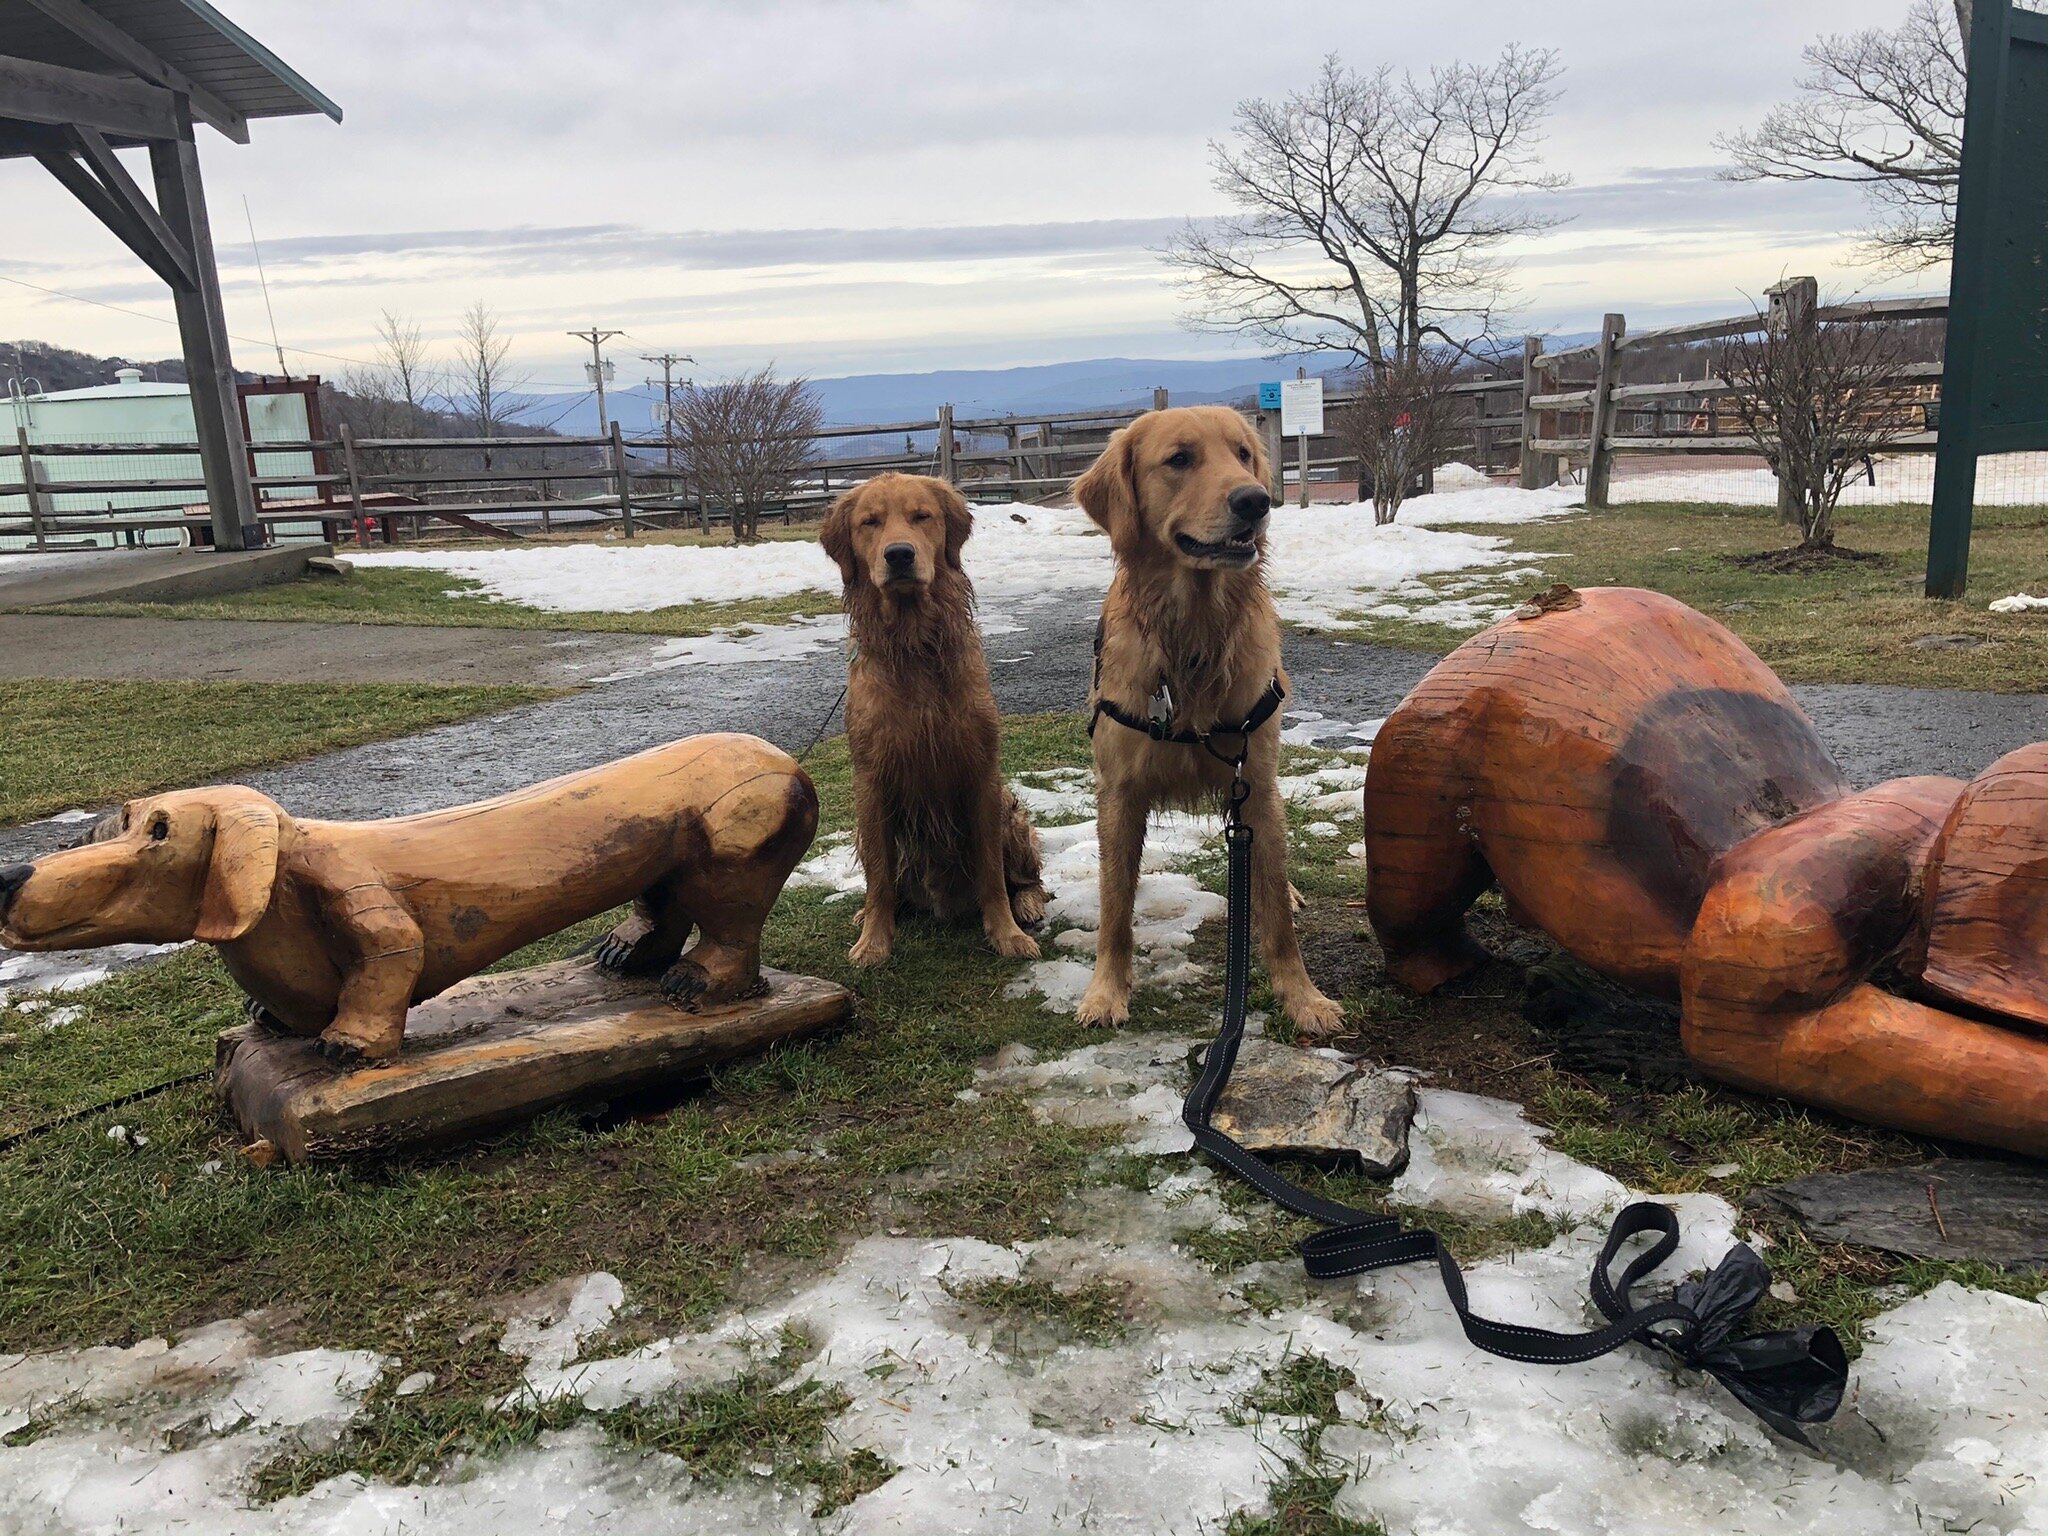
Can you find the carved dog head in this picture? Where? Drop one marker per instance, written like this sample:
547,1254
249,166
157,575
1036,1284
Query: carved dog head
193,864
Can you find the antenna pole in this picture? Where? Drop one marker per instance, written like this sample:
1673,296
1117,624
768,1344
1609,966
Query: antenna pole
264,282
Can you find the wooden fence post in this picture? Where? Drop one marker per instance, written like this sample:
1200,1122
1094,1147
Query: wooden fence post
623,471
1794,313
1538,469
946,471
31,490
350,467
1159,398
1599,457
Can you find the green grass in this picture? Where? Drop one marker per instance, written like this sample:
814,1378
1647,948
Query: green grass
73,743
1089,1314
1853,623
411,595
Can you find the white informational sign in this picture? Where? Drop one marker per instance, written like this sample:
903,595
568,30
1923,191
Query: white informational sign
1301,408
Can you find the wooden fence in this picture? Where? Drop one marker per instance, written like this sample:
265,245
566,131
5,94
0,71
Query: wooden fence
1573,410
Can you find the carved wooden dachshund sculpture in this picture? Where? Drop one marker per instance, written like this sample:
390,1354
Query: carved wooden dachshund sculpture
1646,792
336,928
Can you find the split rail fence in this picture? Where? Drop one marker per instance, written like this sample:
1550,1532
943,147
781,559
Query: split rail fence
1570,412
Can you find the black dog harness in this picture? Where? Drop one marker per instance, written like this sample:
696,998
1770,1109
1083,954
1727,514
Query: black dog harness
1161,729
1788,1379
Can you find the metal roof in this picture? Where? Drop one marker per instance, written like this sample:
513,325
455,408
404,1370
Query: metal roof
189,35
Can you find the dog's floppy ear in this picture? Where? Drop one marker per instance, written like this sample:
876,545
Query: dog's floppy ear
1108,492
836,534
242,868
959,522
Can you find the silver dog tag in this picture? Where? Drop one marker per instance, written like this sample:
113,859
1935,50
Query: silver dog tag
1161,707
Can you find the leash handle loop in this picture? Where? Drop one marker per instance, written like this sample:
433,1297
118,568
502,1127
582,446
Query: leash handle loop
1787,1379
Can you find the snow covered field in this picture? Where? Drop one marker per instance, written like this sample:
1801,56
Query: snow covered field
1944,1429
1325,560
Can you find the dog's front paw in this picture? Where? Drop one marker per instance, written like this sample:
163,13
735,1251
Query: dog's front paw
1014,945
871,949
1315,1016
1104,1006
612,952
1028,906
355,1042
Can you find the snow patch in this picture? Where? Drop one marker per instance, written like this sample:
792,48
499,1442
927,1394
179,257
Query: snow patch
71,970
2019,602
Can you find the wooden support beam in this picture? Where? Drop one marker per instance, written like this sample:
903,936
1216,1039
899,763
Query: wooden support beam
623,477
97,179
83,22
947,469
49,93
1537,469
202,325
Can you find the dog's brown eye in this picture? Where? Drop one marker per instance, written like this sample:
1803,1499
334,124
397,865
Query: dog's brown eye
1244,455
871,522
1181,459
159,828
920,517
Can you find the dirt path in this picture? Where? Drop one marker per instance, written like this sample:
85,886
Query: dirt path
215,650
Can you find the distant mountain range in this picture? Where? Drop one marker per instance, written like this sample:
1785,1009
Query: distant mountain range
1092,383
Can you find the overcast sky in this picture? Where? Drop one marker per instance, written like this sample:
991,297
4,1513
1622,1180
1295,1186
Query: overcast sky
862,185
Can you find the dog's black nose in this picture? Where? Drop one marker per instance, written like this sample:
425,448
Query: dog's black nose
12,879
1250,503
900,556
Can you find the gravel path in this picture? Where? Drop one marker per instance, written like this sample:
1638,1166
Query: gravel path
1040,658
261,651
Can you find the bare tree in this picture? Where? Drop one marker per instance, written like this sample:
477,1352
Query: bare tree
483,388
1400,428
392,397
1372,208
1882,110
744,443
1821,401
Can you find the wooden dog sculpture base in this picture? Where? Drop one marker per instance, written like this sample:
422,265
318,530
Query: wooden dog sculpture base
498,1049
1646,792
336,929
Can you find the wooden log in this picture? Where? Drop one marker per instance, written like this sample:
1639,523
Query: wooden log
500,1049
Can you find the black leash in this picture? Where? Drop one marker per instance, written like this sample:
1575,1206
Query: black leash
819,734
44,1127
1787,1379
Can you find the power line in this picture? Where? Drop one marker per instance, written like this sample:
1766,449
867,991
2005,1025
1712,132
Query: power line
248,341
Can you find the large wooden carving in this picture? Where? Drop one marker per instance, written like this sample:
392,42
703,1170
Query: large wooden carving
1645,791
336,929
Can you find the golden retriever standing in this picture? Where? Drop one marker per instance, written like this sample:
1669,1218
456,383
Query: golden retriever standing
1189,635
934,824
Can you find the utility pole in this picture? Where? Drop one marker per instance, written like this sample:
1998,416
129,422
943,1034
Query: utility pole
595,370
668,361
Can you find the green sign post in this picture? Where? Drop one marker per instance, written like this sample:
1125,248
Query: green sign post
1994,381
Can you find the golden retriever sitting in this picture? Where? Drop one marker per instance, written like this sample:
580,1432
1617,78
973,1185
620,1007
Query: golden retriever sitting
934,824
1188,636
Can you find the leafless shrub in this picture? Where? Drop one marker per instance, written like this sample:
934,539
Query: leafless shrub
1372,207
1400,427
745,442
1820,400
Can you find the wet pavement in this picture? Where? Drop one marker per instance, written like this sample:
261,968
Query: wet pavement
1040,659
